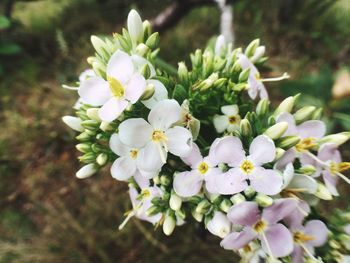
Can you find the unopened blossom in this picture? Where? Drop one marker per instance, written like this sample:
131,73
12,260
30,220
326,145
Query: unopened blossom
156,137
189,183
219,225
229,121
275,238
125,166
123,85
188,120
160,93
313,234
245,167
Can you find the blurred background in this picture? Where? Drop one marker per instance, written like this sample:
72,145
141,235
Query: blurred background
46,214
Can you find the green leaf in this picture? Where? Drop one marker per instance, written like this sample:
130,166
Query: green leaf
9,48
180,93
4,22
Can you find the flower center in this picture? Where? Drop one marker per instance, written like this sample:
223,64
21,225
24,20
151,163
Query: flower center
339,167
133,154
260,226
306,144
158,136
299,237
116,87
203,167
247,166
233,119
145,193
257,76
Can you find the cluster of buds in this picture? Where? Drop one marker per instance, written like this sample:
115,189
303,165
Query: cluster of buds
206,143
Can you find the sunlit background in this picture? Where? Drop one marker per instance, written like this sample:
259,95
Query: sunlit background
46,214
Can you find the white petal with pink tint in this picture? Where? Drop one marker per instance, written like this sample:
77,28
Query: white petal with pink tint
94,91
135,87
262,150
120,66
112,109
187,184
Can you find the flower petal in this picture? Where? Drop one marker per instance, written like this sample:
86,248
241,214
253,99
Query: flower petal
279,210
187,184
312,129
135,132
120,66
139,62
148,158
237,240
118,147
245,214
160,93
112,109
303,183
141,180
164,114
262,150
94,91
329,152
287,117
230,110
219,225
228,150
288,157
212,177
221,122
148,175
231,182
288,175
194,157
135,88
331,182
266,181
279,240
179,141
295,219
318,230
123,168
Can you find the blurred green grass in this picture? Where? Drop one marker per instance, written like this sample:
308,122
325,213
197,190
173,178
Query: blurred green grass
46,214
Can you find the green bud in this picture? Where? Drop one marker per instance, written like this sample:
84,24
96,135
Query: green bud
249,192
123,43
89,157
84,136
338,138
225,205
279,153
97,148
153,41
323,193
250,50
276,131
147,31
148,93
287,142
307,169
182,72
236,68
203,207
100,47
304,114
99,68
83,147
219,83
92,133
153,210
243,76
245,128
86,171
156,180
237,199
263,107
105,126
317,114
175,202
142,50
197,216
169,225
271,121
286,105
180,213
165,180
208,61
263,200
239,87
209,82
91,125
219,64
73,122
197,59
92,113
102,159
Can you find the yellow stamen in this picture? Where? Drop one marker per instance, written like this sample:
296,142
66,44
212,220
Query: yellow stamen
247,167
300,237
306,144
145,193
158,136
234,119
203,167
339,167
260,226
133,154
116,87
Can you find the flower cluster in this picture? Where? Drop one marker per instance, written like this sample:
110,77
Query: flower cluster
203,142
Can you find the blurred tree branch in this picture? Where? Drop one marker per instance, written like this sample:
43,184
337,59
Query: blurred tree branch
171,15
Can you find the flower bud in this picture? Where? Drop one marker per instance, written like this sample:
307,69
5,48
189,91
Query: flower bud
175,202
102,159
180,213
249,192
92,113
225,205
263,107
182,72
287,142
197,216
219,64
245,128
208,61
135,26
338,138
153,210
251,48
203,207
169,225
304,114
307,169
243,76
279,153
142,50
88,157
105,126
219,83
164,180
194,126
90,125
220,45
123,43
208,83
148,93
146,25
323,193
197,59
263,200
259,53
100,47
73,122
276,131
286,105
237,199
153,40
86,171
146,71
317,114
83,137
83,147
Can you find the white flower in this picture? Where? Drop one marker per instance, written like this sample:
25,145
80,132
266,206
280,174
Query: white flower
86,171
73,122
229,121
219,225
135,27
158,137
124,85
160,93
